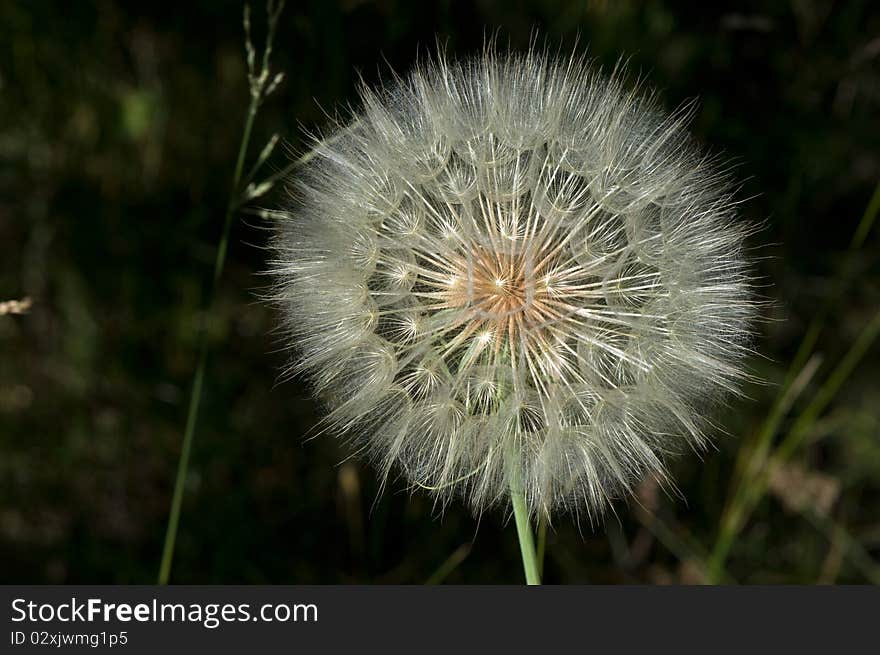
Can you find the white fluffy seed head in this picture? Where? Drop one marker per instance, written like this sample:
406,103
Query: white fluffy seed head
510,267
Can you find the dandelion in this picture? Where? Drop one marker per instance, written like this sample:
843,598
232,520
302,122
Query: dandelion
511,272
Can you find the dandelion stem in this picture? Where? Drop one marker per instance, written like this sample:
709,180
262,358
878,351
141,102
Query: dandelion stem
542,543
524,532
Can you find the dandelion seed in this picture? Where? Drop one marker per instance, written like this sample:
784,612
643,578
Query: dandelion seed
512,268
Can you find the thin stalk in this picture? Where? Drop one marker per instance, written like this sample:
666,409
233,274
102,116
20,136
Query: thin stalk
236,182
449,565
867,220
749,496
195,398
307,157
260,87
744,497
524,532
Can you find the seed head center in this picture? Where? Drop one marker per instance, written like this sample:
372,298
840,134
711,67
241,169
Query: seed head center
501,283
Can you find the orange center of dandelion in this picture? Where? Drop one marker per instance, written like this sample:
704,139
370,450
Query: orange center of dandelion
500,284
501,297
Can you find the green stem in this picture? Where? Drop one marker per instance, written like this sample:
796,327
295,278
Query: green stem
867,221
542,543
182,465
452,562
524,532
236,191
196,393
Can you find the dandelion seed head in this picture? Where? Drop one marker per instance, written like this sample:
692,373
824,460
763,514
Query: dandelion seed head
514,267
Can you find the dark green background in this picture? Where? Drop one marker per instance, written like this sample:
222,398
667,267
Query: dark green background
119,125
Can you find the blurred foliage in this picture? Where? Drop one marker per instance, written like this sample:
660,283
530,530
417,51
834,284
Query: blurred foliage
119,125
